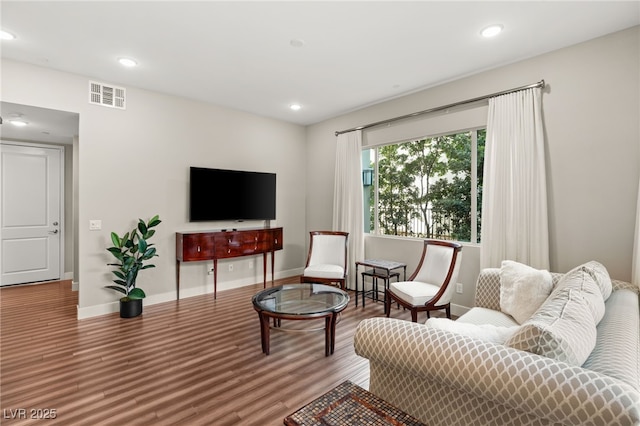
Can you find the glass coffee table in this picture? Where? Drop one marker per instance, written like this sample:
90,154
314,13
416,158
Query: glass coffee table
300,302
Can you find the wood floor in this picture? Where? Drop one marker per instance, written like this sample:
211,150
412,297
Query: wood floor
195,361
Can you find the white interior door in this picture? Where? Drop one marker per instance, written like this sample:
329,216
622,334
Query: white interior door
31,182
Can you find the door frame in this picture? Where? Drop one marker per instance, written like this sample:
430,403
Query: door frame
61,151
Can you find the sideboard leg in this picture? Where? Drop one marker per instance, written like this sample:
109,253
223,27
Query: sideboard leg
273,261
264,270
177,279
215,279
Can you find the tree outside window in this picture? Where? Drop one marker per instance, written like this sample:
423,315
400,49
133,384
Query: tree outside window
427,188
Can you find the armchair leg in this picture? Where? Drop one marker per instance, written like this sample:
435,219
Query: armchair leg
414,315
387,304
448,310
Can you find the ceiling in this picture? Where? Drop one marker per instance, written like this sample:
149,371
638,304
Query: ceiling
331,57
43,124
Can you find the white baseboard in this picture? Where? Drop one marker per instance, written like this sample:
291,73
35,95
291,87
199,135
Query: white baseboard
459,310
97,310
75,286
109,308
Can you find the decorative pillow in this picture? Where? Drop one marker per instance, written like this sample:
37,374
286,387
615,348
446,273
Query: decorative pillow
581,280
601,277
486,332
522,289
562,329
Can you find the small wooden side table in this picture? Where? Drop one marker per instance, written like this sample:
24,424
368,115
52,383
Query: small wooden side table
382,269
376,274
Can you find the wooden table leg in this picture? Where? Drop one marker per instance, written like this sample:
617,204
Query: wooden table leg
357,284
334,317
264,332
327,335
364,290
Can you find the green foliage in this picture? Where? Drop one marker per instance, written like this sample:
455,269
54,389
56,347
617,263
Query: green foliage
131,251
429,179
394,210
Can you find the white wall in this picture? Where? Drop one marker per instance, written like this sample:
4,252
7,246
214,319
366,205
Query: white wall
135,163
591,107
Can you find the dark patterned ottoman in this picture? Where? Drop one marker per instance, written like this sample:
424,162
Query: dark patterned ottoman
349,404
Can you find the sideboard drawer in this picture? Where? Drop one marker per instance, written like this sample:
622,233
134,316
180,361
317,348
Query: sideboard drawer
194,247
276,239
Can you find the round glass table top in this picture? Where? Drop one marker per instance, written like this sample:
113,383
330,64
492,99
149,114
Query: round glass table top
301,299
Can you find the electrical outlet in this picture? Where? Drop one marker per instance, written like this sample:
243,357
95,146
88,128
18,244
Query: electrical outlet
95,225
231,267
459,288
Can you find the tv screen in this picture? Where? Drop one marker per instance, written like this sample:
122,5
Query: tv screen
218,194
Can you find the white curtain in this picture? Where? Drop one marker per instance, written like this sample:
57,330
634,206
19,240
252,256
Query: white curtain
635,267
347,198
514,198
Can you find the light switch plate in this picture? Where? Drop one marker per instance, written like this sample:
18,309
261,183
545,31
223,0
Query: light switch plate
95,225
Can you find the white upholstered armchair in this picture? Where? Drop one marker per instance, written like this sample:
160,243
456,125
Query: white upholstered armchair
327,260
432,285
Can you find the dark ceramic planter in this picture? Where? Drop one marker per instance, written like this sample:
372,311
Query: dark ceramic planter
130,308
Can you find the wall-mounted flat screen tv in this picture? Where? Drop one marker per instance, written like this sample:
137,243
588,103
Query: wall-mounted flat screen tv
219,194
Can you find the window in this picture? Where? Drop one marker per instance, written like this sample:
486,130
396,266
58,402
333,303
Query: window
426,188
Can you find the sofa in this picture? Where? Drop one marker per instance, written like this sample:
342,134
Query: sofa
444,377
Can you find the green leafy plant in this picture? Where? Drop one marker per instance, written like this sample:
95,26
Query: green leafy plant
132,250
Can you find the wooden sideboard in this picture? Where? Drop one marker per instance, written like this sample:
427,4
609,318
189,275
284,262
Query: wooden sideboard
214,245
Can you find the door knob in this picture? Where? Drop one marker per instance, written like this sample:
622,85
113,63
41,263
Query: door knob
55,231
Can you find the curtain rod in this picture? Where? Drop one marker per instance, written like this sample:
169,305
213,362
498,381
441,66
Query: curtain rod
440,108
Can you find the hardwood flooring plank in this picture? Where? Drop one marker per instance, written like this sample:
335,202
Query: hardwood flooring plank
194,361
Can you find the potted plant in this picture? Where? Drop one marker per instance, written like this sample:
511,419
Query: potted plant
132,250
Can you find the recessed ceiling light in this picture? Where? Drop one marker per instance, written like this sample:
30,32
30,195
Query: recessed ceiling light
295,107
6,36
127,62
297,42
18,123
491,31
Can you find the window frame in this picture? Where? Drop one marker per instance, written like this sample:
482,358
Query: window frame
474,233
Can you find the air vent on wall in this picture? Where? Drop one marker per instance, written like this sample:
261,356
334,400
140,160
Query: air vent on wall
107,95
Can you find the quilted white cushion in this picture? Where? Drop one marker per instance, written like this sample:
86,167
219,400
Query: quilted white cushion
414,292
486,332
580,279
324,271
600,276
523,289
563,328
479,315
